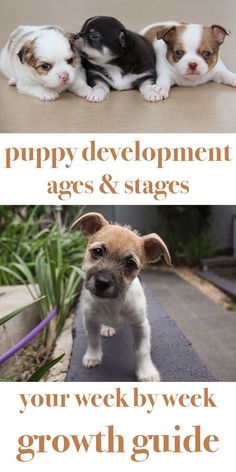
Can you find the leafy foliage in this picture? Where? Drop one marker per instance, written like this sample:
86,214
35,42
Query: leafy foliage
37,249
186,232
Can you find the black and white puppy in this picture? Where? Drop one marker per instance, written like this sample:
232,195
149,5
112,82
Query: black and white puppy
115,58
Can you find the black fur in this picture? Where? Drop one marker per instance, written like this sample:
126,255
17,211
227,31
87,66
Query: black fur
131,52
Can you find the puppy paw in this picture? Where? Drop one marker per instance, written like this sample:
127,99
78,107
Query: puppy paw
149,374
97,95
162,91
90,360
107,331
233,81
11,82
152,95
48,95
83,91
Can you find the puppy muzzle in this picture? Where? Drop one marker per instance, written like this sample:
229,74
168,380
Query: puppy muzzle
78,42
104,284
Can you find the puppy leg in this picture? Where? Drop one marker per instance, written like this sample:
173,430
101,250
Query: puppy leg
145,369
224,76
37,91
148,91
80,86
99,92
107,331
162,86
93,355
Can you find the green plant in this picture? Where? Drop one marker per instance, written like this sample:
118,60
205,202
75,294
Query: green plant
186,232
40,252
43,369
55,273
192,251
24,230
11,315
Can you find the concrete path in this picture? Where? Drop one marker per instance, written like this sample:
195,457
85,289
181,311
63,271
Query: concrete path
11,298
193,339
208,326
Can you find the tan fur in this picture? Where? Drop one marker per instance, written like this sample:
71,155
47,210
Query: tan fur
120,242
172,37
212,38
38,67
28,54
30,58
151,34
209,43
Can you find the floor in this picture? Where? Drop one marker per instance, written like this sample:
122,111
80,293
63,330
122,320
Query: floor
208,108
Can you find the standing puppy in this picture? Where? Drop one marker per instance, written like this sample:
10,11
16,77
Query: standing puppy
188,54
115,58
112,293
40,62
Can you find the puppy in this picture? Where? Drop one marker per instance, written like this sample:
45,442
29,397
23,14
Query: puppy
188,54
40,62
115,58
112,293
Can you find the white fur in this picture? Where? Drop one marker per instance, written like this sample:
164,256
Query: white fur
127,309
98,57
51,46
118,81
178,74
98,93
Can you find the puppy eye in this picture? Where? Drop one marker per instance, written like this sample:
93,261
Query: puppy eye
46,66
179,53
70,61
93,36
97,252
206,54
130,264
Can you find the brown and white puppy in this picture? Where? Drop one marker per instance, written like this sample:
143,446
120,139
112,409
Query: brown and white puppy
188,55
112,293
40,62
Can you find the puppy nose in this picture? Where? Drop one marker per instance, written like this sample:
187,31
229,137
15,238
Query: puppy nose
74,36
64,76
79,42
102,282
192,65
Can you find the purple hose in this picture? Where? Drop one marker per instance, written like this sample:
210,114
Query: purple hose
28,337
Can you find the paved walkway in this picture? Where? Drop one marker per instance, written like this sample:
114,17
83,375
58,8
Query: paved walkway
193,339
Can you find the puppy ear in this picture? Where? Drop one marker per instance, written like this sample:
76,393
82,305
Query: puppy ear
219,33
26,53
89,224
154,247
124,39
90,19
166,33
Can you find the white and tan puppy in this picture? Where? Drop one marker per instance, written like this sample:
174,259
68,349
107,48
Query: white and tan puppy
40,62
188,55
112,293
